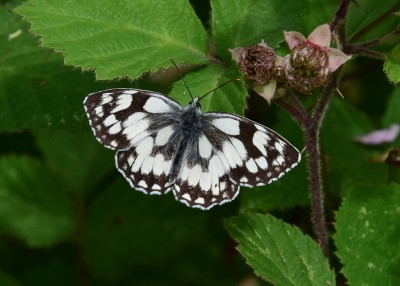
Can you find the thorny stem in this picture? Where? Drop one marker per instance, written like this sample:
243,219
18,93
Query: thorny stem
340,13
314,168
311,123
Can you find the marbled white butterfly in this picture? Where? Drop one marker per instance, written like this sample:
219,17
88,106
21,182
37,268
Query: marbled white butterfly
203,158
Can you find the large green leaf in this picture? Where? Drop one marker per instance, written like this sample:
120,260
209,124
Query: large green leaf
278,252
243,23
230,98
36,90
34,206
118,38
367,234
392,64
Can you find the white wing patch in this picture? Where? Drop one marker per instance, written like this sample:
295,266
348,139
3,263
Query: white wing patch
163,135
227,125
205,147
156,105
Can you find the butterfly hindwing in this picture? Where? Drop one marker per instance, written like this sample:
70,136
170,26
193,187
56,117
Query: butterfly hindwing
147,165
229,152
256,154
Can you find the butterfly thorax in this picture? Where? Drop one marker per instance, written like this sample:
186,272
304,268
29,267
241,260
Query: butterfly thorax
191,126
191,117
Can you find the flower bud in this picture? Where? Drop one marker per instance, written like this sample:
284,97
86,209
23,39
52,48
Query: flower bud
311,60
257,63
306,67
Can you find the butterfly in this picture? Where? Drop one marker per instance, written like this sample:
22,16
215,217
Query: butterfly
203,158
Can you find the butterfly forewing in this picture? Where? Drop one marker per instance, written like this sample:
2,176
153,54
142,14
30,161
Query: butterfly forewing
203,157
142,126
117,116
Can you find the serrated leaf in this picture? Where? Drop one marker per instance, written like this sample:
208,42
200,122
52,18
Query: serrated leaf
229,98
126,227
278,252
36,91
367,234
77,158
244,23
33,204
119,38
392,65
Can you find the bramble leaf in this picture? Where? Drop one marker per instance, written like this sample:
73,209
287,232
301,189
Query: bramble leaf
230,98
36,90
367,234
278,252
244,23
119,38
363,18
392,65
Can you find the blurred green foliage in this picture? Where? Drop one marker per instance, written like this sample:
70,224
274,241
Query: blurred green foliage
67,217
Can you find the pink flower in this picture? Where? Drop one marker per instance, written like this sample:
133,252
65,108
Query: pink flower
380,136
311,60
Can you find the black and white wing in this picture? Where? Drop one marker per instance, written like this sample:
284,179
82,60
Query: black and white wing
205,161
231,151
142,126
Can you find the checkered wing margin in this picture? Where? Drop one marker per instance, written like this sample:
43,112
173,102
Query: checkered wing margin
141,125
231,151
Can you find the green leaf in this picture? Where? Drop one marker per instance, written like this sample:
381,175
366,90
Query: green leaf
126,227
243,23
6,280
119,38
34,205
278,252
318,13
392,65
77,158
344,158
230,98
367,234
36,91
371,19
392,114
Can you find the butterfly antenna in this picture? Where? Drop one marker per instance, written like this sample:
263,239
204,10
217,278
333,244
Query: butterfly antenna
218,87
181,76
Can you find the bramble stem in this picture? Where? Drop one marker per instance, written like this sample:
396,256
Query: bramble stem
340,13
314,163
